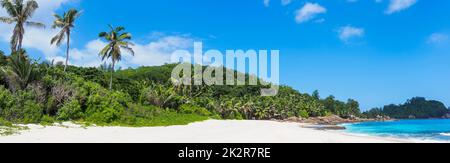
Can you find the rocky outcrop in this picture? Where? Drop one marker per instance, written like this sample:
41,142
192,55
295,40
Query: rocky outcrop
330,127
332,122
383,118
328,120
446,116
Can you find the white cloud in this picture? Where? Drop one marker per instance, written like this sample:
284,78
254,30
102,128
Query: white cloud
37,38
158,52
87,57
154,53
266,3
349,32
399,5
437,38
309,11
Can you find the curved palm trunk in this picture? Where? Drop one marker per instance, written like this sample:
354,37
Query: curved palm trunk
112,73
13,48
21,33
20,43
68,50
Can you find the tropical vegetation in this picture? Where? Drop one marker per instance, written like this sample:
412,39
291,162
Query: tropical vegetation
20,14
117,40
415,108
45,92
66,22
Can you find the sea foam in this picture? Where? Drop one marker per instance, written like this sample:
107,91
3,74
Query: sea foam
445,134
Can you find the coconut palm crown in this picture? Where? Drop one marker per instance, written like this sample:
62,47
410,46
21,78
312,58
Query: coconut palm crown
19,14
118,40
65,22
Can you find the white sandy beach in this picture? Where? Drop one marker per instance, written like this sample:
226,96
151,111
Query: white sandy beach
212,131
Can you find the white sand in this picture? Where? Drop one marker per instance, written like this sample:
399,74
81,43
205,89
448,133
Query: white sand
212,131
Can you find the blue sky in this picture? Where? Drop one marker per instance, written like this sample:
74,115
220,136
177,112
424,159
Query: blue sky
375,51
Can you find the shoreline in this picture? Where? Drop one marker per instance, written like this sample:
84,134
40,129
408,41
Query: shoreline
210,131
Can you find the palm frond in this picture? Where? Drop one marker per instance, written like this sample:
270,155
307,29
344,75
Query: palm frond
58,17
7,20
128,49
22,68
58,39
30,8
125,36
58,24
103,34
116,53
35,24
119,29
9,7
71,15
111,27
104,53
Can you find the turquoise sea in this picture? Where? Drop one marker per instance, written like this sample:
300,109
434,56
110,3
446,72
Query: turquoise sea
430,129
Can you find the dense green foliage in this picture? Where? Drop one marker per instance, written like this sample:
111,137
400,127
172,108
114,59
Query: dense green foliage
232,102
345,110
143,97
53,95
418,107
32,92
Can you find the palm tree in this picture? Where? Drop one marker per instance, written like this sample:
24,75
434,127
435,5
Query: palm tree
20,72
19,13
118,40
66,22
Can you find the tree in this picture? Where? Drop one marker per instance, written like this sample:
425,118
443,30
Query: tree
20,72
316,94
66,22
118,40
19,13
3,59
417,107
352,108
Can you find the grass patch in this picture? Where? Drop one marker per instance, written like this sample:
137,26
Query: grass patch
167,119
7,128
164,119
148,116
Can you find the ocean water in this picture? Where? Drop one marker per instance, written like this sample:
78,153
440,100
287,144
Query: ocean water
426,130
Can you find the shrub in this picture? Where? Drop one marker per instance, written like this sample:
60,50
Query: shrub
32,112
22,108
106,107
39,91
7,128
233,115
70,111
142,111
303,114
47,120
192,109
6,99
153,116
161,96
5,123
59,95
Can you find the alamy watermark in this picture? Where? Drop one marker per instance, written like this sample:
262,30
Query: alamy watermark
257,64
